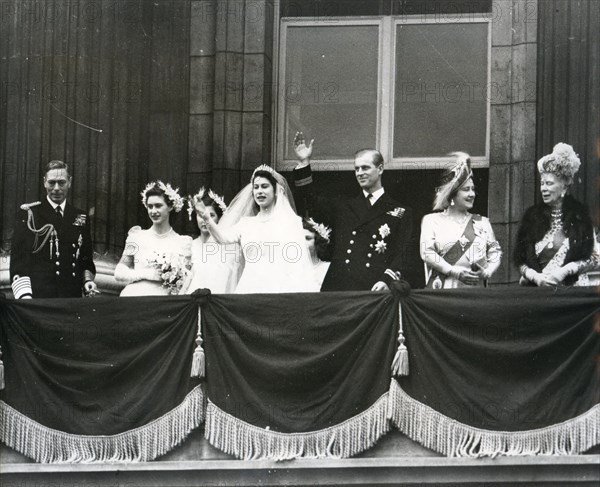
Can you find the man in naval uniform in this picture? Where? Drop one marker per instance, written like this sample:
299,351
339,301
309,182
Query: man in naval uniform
371,232
52,246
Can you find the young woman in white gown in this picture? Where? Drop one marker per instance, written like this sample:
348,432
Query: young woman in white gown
136,268
317,238
211,264
274,255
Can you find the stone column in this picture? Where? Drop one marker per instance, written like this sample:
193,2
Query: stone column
230,91
513,123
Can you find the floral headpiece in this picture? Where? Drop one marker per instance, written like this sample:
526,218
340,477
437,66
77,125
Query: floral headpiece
322,230
563,162
192,201
217,199
171,193
262,167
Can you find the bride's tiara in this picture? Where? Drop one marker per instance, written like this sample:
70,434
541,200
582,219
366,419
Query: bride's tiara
171,193
262,167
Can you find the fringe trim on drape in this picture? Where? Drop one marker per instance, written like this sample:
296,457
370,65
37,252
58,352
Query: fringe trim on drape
248,442
47,445
454,439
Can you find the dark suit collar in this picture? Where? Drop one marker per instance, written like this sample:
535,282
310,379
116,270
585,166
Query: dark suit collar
53,205
380,191
50,213
358,205
46,208
384,204
70,211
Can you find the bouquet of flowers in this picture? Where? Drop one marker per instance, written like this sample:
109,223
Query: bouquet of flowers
172,270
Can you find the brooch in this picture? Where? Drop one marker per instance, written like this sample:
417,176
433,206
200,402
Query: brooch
479,230
80,220
384,230
380,246
397,212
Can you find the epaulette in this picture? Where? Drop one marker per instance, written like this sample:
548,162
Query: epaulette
27,206
47,232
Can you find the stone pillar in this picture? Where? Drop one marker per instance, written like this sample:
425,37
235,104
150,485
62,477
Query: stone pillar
513,123
202,88
230,91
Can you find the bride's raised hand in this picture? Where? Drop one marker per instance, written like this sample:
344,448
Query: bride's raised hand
203,213
303,151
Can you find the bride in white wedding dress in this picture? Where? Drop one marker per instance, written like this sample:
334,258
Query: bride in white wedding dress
274,255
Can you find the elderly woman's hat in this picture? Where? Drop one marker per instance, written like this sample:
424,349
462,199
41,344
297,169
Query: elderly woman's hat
452,180
563,162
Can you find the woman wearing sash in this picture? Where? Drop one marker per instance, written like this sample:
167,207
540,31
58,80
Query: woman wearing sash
458,248
556,241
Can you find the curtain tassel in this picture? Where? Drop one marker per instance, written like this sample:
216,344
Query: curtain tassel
198,360
400,363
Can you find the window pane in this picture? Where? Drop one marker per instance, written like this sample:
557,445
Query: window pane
441,89
330,88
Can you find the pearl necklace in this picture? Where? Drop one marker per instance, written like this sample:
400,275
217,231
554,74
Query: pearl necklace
555,226
460,220
162,235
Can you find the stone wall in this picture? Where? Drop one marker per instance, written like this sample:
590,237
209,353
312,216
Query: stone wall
513,121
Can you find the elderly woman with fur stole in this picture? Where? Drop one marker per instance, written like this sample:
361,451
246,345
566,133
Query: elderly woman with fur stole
556,243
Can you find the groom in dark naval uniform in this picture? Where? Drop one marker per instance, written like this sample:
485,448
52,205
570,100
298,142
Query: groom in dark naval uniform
51,253
371,232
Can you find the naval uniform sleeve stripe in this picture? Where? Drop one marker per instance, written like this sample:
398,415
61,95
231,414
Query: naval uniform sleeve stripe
304,182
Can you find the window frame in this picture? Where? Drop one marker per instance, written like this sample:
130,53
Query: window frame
386,83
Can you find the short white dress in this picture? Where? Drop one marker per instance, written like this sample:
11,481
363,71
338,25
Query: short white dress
144,246
211,266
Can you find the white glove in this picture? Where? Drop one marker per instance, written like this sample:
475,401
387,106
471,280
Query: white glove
126,275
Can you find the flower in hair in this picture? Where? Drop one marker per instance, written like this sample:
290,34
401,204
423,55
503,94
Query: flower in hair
168,190
217,199
192,201
323,231
563,161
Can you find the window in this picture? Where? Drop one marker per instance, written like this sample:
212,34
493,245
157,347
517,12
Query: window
415,88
